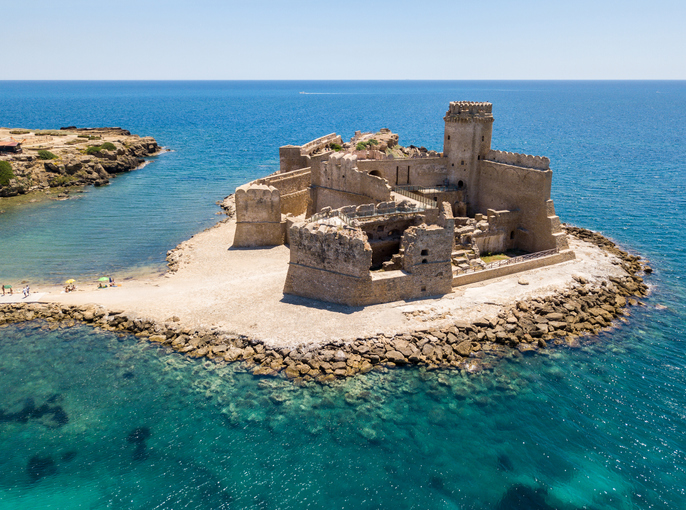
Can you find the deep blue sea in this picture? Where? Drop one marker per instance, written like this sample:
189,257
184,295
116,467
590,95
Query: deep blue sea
129,425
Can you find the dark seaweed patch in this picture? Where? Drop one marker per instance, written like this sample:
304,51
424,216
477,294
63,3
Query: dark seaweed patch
40,467
67,456
56,416
138,435
504,463
523,497
128,375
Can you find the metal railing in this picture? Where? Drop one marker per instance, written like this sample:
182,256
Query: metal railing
513,260
324,217
429,203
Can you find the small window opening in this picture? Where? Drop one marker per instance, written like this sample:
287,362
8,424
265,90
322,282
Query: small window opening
424,261
453,164
439,275
435,199
512,235
379,228
462,162
460,184
423,288
483,139
448,137
478,157
425,252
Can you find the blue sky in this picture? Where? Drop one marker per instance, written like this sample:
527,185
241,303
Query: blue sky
305,39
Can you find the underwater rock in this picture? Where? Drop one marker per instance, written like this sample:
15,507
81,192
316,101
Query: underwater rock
39,467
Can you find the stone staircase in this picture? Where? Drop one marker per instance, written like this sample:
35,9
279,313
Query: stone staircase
556,227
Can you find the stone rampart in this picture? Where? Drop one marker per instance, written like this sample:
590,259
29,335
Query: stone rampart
294,189
516,159
343,183
258,216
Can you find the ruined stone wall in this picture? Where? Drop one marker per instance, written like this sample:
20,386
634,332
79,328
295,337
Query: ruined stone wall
411,171
427,251
498,232
515,188
258,216
320,143
338,250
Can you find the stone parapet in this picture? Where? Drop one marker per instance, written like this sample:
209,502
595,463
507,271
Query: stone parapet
516,159
466,111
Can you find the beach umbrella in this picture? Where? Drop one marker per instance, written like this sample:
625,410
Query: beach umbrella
103,279
71,280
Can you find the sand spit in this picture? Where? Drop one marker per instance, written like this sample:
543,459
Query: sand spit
228,305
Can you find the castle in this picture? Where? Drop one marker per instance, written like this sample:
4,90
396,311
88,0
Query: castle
371,221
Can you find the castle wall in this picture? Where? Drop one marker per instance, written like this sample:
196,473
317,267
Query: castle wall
293,188
520,189
338,182
527,265
290,158
423,172
258,216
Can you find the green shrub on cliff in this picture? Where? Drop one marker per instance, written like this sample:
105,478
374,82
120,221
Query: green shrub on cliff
61,180
335,147
361,146
94,149
43,154
5,173
20,132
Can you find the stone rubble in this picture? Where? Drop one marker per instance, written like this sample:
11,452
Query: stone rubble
526,328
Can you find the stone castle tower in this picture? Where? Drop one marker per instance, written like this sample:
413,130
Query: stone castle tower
466,141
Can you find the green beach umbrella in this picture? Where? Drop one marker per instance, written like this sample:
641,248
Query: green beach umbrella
103,279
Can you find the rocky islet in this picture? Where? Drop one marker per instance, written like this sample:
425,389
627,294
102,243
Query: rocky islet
89,156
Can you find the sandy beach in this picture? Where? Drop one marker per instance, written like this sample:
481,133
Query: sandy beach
240,291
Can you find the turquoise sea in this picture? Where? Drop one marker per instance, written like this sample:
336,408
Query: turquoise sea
92,420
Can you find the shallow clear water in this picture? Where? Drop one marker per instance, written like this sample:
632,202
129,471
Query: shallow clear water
601,427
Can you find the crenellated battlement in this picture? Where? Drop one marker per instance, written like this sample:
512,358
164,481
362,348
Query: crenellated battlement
463,111
516,159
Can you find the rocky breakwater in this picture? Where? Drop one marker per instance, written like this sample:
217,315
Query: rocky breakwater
566,318
70,157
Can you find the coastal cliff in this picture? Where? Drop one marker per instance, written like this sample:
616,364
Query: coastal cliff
68,157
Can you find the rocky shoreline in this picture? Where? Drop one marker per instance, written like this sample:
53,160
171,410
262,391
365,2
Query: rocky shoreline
563,318
71,157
